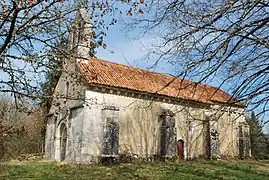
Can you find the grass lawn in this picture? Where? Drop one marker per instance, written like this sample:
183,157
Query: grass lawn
184,170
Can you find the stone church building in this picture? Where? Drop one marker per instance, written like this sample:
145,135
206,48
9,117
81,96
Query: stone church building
106,110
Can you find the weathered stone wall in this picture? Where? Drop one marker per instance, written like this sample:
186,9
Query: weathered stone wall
92,132
75,93
75,135
140,125
226,120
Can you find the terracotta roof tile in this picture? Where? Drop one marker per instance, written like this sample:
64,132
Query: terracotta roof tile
103,72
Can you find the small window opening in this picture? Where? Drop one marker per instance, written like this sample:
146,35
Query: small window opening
74,36
66,91
80,32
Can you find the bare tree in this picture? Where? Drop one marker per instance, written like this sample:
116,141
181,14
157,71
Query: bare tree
20,132
31,32
217,40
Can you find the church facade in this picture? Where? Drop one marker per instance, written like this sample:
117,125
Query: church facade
104,110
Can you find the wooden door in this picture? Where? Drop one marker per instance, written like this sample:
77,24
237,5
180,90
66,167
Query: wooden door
180,149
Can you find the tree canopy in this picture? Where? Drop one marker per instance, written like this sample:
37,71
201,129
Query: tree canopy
259,141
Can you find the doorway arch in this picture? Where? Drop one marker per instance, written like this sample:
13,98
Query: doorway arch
180,149
63,141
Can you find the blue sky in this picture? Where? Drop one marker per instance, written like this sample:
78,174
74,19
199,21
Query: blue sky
125,50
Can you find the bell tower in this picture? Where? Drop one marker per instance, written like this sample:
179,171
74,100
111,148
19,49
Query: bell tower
80,35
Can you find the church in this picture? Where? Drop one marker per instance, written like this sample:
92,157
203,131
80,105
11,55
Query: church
103,110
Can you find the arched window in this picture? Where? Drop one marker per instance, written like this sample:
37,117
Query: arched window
74,34
66,91
80,32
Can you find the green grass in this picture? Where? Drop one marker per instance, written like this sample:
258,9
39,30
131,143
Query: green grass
184,170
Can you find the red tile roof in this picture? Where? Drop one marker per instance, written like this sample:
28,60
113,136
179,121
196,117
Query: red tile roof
97,71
